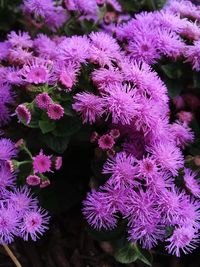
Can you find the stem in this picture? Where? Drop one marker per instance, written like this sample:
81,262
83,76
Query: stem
24,162
12,256
27,151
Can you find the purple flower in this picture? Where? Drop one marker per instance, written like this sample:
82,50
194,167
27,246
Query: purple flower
38,7
43,100
192,184
123,170
182,134
183,239
4,50
33,180
7,179
36,71
167,156
103,49
106,142
105,78
34,224
89,106
192,54
75,49
9,223
23,114
147,233
7,149
98,211
121,103
22,200
55,111
144,47
42,163
147,167
20,39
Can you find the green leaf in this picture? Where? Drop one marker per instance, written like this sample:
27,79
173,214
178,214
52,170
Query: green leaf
47,126
127,252
172,71
67,126
174,87
57,144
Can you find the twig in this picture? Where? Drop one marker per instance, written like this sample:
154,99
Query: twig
12,256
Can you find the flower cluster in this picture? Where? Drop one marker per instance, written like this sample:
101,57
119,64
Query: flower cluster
20,214
172,33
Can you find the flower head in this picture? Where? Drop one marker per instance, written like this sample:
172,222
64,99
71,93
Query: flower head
23,114
36,71
34,224
55,111
43,100
106,142
41,163
183,239
33,180
7,149
192,184
7,178
89,106
123,170
98,211
20,39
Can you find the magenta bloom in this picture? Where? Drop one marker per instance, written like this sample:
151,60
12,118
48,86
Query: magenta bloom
123,170
45,183
106,142
55,111
58,163
35,223
4,50
33,180
185,116
36,71
9,223
41,163
98,211
43,100
89,106
115,133
183,239
192,54
8,149
192,184
23,114
121,104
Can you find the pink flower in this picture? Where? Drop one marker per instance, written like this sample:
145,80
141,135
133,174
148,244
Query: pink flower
23,114
55,111
42,163
33,180
115,133
45,183
89,106
106,142
58,163
185,116
43,100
